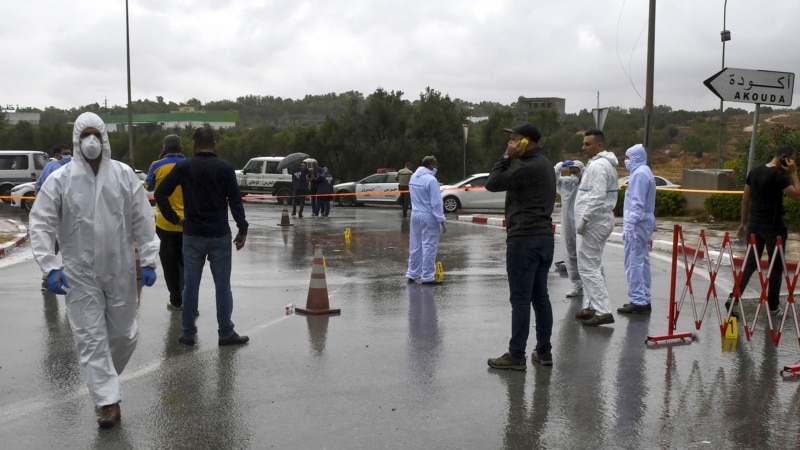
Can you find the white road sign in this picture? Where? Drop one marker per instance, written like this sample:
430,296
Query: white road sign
752,86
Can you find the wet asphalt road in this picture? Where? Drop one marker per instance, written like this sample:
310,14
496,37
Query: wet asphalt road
400,367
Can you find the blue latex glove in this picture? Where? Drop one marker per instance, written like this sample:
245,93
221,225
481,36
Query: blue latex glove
148,275
57,281
568,163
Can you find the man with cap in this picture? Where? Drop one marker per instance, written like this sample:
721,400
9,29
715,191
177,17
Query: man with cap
594,222
530,198
567,188
403,177
171,235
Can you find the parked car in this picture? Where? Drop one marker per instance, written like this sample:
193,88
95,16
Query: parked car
377,188
660,182
470,193
143,176
22,195
19,166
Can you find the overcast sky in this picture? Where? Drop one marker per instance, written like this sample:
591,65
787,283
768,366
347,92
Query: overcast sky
72,53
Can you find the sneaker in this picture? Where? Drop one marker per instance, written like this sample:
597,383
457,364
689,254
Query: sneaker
234,339
585,313
174,307
432,282
545,359
410,280
599,319
186,340
728,306
630,308
506,362
776,312
575,293
109,416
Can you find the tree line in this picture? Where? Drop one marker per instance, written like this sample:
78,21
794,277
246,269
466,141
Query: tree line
353,135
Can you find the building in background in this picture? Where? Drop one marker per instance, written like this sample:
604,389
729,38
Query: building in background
530,105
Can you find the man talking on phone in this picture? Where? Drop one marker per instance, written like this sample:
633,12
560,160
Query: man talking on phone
763,200
530,198
209,189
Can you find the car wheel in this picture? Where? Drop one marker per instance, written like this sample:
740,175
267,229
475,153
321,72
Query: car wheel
26,204
283,194
451,204
346,200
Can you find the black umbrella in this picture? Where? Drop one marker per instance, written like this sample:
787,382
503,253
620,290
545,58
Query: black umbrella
291,159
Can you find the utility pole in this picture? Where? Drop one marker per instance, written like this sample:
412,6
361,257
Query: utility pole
130,105
648,102
725,35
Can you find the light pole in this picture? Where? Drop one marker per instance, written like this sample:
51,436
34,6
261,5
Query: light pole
725,36
130,105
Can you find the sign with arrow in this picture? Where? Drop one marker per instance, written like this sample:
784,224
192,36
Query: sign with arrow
763,87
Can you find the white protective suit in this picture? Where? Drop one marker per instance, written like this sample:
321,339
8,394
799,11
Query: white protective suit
98,221
638,222
594,222
427,217
567,188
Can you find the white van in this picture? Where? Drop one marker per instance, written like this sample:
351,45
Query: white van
19,166
260,176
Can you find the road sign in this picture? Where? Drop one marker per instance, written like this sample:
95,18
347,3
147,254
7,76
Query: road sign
752,86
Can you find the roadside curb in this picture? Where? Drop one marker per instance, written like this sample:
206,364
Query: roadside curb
19,238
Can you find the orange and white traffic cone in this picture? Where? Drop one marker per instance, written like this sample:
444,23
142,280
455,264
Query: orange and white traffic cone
285,216
317,300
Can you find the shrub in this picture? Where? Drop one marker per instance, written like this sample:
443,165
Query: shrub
724,206
728,207
668,203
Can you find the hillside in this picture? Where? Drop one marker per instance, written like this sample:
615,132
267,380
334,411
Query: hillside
739,128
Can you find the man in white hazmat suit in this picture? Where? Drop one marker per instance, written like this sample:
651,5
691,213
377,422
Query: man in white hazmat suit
567,188
638,222
427,221
594,222
98,211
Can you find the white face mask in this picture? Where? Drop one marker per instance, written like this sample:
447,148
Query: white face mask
628,164
434,170
91,147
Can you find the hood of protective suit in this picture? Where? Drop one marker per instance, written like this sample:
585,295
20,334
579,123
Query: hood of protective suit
607,155
637,157
579,165
86,120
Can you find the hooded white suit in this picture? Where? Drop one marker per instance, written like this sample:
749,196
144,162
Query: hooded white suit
567,188
594,213
98,221
638,223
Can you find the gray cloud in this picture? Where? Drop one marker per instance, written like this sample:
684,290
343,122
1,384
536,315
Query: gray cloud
67,54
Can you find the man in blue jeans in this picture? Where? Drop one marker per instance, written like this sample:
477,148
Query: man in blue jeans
530,198
209,189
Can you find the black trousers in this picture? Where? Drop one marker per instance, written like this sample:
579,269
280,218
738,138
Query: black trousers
171,255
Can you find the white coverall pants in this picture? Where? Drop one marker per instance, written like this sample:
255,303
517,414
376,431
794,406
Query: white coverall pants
423,242
590,263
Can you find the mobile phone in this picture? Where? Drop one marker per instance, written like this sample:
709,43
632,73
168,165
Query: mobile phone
523,142
784,163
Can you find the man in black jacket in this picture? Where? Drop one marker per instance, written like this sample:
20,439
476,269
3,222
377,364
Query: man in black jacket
530,197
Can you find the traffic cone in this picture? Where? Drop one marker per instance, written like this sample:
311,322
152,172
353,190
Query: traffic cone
317,300
285,216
